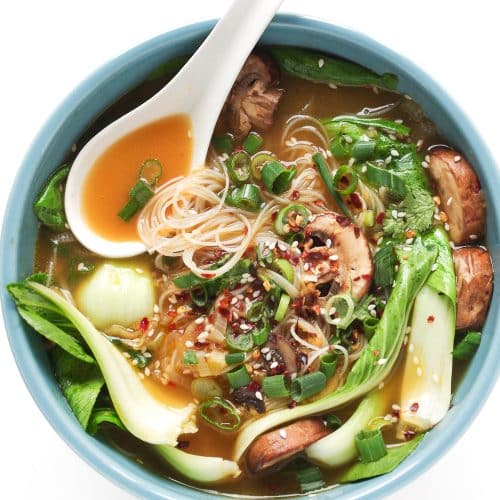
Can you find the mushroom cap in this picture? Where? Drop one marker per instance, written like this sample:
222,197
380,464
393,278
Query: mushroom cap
343,238
474,286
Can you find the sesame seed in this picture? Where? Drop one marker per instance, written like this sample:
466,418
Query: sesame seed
273,365
135,362
348,138
420,143
394,153
283,434
199,320
172,299
401,214
381,386
306,266
448,202
373,313
332,86
321,62
434,267
388,160
396,407
409,241
457,158
411,348
328,243
382,361
258,395
371,307
427,158
425,164
282,246
380,240
256,294
126,355
364,169
392,136
394,214
419,372
189,343
416,360
332,311
295,244
147,371
473,237
264,350
446,226
333,257
244,327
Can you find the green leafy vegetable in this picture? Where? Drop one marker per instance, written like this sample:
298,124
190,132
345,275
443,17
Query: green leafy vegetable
377,358
103,415
49,206
384,262
426,383
80,384
394,457
468,346
380,123
319,68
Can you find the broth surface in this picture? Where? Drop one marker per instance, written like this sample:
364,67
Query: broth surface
106,188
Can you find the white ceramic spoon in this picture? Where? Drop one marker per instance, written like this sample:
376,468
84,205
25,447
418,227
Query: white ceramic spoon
198,90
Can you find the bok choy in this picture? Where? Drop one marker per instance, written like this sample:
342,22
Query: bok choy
379,356
426,385
143,415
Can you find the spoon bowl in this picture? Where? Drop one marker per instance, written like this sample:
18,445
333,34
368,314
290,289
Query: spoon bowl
199,91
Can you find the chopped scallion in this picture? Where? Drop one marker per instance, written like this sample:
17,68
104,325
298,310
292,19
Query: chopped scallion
242,342
363,149
276,177
282,307
222,143
253,143
371,446
306,386
261,334
332,421
238,377
328,364
345,172
238,167
220,413
284,267
255,311
275,386
467,347
151,171
258,162
233,358
246,197
190,358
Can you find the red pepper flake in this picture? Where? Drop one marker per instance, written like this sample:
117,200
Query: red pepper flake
200,345
395,413
376,352
144,324
207,275
172,313
357,278
414,407
245,230
274,215
357,232
172,384
409,435
211,318
380,217
292,404
320,203
430,319
366,277
356,200
343,221
295,195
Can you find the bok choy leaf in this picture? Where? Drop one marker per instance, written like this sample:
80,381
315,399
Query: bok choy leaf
377,359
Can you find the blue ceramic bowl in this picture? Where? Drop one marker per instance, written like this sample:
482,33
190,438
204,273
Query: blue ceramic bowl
113,80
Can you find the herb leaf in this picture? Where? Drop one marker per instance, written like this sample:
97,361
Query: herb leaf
103,415
385,261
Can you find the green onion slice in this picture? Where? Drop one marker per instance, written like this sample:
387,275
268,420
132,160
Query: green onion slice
234,358
81,265
275,386
345,172
220,413
238,377
276,177
222,143
238,167
369,326
140,194
282,307
467,347
363,148
246,197
151,171
326,175
367,218
371,446
328,364
199,296
339,310
284,267
253,143
308,385
255,311
291,219
190,358
242,342
258,161
261,334
310,479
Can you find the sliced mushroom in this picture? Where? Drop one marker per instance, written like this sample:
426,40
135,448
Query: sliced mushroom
281,445
460,192
254,97
474,286
353,270
280,356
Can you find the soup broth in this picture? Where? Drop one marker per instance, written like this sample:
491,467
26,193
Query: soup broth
296,129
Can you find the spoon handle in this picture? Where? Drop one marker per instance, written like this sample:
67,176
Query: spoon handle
207,78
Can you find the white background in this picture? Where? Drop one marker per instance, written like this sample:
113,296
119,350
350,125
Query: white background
47,47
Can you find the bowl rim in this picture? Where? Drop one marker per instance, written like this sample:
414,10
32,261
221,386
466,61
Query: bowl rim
120,471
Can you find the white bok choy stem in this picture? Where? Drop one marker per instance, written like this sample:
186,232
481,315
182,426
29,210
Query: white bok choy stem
199,468
378,357
339,447
426,385
144,416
